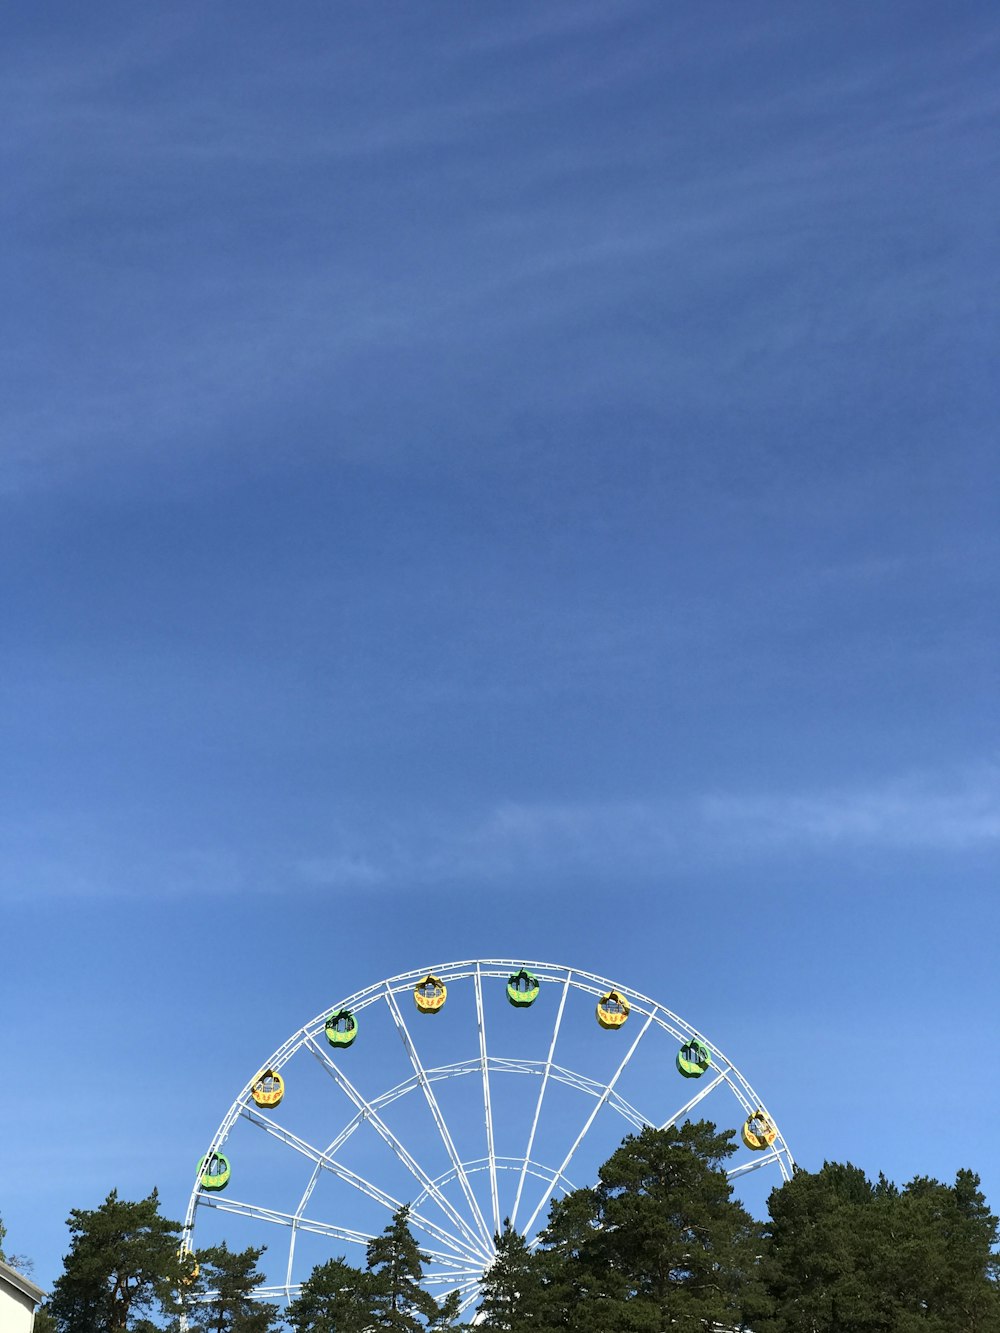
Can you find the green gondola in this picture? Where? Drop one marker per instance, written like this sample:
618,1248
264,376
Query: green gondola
341,1028
693,1058
214,1171
522,989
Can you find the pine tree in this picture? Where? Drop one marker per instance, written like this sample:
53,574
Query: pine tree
973,1264
335,1298
231,1276
658,1243
510,1285
578,1291
121,1265
846,1256
448,1319
395,1261
819,1227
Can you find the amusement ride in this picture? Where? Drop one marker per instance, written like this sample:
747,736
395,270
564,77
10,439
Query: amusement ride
474,1092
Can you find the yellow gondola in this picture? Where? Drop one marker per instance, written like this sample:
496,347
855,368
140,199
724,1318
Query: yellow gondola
269,1089
430,994
189,1264
215,1171
612,1010
758,1131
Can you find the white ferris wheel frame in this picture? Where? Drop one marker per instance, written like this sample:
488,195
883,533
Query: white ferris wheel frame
462,1250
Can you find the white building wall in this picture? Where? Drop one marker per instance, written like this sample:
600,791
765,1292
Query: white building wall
17,1311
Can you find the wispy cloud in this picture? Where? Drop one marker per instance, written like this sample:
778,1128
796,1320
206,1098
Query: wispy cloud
341,870
909,814
166,326
551,840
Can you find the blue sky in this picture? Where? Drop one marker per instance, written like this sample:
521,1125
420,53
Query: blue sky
486,481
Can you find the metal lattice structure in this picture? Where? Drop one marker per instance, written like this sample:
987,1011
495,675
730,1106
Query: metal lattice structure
468,1142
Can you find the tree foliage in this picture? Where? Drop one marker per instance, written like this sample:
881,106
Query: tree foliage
19,1261
335,1298
658,1243
395,1260
848,1256
511,1288
339,1298
44,1322
228,1278
121,1266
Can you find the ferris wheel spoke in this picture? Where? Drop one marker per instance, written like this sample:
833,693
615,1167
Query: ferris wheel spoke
361,1116
754,1164
698,1097
276,1218
453,1276
541,1096
471,1297
287,1291
318,1228
571,1078
439,1119
448,1261
590,1120
487,1104
408,1160
328,1163
468,1294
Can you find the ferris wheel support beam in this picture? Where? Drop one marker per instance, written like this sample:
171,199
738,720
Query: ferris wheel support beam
590,1120
497,1064
284,1291
439,1120
272,1215
296,1223
541,1095
698,1097
452,1277
470,1299
386,1134
744,1168
259,1214
330,1164
487,1105
468,1290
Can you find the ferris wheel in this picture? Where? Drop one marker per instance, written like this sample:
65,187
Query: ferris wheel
474,1092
